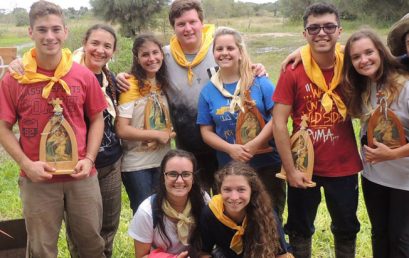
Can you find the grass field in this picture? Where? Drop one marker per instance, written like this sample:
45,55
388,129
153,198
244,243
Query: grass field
268,41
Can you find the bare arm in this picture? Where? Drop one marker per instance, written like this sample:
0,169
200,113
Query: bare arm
259,69
261,139
37,171
126,131
295,177
141,249
122,82
235,151
384,153
95,133
294,57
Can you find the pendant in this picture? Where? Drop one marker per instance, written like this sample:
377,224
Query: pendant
157,117
385,126
58,145
302,151
250,123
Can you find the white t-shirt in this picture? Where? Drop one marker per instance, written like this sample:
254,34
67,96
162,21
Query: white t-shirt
137,156
141,229
391,173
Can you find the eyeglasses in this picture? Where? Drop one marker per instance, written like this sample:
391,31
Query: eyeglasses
315,29
174,175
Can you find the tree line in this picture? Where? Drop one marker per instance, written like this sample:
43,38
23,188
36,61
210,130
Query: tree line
19,16
377,11
135,16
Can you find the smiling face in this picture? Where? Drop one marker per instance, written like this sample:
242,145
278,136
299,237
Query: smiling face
98,49
226,52
236,192
48,33
179,188
322,42
365,57
188,31
150,58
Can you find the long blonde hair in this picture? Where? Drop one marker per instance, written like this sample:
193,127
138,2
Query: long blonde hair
245,70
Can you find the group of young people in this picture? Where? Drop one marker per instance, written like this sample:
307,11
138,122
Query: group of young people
176,92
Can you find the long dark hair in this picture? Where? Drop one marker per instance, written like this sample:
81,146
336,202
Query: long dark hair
137,69
195,195
355,86
261,237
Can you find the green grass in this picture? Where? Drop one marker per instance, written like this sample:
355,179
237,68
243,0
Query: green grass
264,47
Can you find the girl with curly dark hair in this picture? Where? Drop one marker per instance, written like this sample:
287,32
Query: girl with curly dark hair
239,220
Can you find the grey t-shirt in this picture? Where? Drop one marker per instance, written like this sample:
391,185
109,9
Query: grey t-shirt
183,99
392,173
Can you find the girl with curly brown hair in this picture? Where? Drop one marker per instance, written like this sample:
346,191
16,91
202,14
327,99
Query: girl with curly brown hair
239,220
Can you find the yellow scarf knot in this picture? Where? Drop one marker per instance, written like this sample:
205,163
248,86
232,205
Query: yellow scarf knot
31,76
217,207
314,73
185,220
179,55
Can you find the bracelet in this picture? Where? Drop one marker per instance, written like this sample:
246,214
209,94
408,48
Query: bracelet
88,158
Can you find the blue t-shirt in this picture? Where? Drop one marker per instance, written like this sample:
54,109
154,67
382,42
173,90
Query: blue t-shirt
213,109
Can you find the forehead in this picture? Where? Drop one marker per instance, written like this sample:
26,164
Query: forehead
235,180
225,39
188,15
361,44
148,46
179,164
322,19
101,35
50,20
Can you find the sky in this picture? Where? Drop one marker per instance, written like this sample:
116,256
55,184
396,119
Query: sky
11,4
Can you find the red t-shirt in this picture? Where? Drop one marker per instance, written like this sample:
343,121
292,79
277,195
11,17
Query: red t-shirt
335,149
24,103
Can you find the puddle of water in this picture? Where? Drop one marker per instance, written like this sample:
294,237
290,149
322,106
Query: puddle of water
263,50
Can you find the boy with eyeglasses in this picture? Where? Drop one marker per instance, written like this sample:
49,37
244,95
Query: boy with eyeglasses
311,89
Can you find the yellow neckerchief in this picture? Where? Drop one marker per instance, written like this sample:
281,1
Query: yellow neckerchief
179,55
79,57
185,220
314,72
217,207
31,76
236,101
135,92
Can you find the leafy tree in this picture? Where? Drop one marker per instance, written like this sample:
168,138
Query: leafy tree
133,15
294,9
377,11
82,11
20,16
